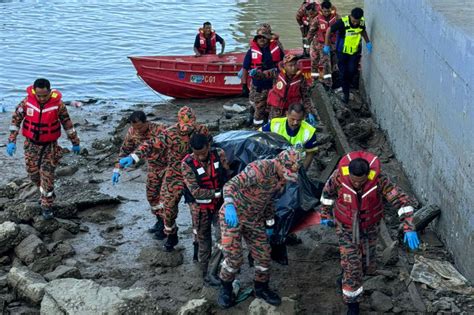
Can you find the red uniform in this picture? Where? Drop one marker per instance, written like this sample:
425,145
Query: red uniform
357,215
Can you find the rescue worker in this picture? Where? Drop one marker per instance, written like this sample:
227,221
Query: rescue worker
290,87
141,131
174,143
204,172
206,41
264,54
300,134
353,197
40,116
350,29
307,11
248,212
322,65
267,28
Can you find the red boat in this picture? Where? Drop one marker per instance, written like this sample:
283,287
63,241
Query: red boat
198,77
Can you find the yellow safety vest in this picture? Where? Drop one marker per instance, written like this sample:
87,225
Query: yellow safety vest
352,38
305,133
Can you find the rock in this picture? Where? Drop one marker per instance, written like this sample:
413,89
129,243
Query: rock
63,272
7,298
45,226
5,260
72,296
25,211
31,249
66,170
23,310
28,284
62,234
63,249
380,302
100,216
260,307
443,304
196,307
104,249
71,262
3,281
27,229
68,225
158,258
377,283
8,236
45,264
390,255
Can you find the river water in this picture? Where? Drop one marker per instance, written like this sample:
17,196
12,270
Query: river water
82,46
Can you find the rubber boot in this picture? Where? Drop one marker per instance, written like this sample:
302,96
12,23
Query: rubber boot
263,292
207,279
47,213
345,98
157,226
171,241
160,229
353,309
196,251
225,299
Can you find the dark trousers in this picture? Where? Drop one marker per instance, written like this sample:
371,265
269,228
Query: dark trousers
348,65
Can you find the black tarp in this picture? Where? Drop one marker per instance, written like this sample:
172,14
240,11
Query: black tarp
297,200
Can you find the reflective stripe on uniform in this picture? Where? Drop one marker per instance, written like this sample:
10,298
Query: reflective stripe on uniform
352,294
45,193
70,131
260,268
135,157
405,210
226,266
203,201
326,202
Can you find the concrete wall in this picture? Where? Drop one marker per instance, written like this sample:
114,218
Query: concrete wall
419,81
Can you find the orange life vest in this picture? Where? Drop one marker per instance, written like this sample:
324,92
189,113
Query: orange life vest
41,123
366,208
215,180
284,92
203,43
257,55
323,27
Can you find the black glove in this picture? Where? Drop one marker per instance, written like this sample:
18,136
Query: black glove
245,90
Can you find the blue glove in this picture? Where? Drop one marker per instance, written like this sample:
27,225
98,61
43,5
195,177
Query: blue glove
240,73
253,72
11,148
327,222
126,161
311,119
369,47
269,232
115,178
326,49
412,239
230,215
76,149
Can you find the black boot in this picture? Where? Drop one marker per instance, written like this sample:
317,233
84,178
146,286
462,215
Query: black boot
225,299
195,252
171,241
47,213
157,226
345,97
353,309
262,291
